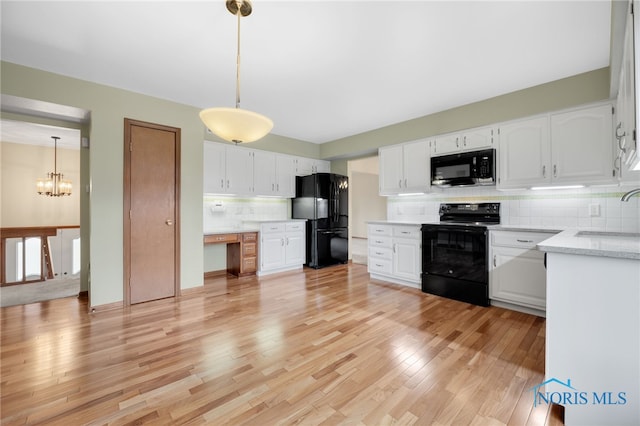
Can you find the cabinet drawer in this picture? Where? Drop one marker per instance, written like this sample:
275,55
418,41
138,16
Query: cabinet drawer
250,236
518,239
412,232
249,249
384,230
380,253
220,238
377,241
249,264
380,265
273,227
293,227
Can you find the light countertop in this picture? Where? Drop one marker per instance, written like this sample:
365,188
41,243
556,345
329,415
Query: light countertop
231,230
608,244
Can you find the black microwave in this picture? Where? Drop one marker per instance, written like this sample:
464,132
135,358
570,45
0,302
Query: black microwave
464,169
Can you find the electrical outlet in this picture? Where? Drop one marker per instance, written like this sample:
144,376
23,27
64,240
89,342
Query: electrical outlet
594,210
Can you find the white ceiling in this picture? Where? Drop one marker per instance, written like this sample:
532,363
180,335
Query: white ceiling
38,134
322,70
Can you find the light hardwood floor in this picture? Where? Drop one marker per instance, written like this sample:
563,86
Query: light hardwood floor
309,347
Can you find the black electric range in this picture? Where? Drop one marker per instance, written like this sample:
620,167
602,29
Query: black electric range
455,252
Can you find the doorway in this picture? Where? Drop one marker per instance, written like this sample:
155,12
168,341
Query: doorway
366,204
151,211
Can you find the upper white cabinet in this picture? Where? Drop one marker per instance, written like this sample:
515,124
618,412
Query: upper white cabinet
469,140
233,170
307,166
214,168
524,153
564,148
273,174
581,146
405,168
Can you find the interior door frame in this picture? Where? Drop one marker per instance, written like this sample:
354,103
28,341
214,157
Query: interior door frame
128,123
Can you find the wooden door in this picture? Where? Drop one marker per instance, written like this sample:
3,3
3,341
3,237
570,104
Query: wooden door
151,207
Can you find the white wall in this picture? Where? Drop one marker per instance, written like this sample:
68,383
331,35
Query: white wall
22,206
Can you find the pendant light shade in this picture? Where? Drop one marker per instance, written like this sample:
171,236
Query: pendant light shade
235,124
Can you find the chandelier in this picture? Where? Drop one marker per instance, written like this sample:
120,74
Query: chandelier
235,124
54,185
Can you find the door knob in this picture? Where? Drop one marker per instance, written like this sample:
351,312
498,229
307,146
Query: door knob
169,222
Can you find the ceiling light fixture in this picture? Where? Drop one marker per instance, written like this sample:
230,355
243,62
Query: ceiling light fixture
54,185
236,124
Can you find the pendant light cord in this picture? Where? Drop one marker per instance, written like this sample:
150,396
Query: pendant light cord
238,59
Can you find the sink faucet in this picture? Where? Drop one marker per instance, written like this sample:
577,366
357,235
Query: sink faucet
630,194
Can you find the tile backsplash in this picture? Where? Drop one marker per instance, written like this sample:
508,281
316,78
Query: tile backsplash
229,212
594,208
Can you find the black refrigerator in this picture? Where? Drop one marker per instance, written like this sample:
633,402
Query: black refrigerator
323,199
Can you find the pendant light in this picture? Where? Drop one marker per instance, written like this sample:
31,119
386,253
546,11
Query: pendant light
235,124
54,185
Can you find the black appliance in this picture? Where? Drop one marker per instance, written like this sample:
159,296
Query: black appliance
455,252
467,168
322,199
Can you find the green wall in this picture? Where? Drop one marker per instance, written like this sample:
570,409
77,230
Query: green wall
580,89
104,167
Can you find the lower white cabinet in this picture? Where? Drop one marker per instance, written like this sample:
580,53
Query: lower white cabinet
517,276
395,253
282,246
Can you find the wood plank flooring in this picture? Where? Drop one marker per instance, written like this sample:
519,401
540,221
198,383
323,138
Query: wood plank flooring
306,347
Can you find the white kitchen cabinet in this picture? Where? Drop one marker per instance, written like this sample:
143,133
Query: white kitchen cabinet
307,166
395,253
517,276
469,140
573,147
626,152
282,246
581,146
405,168
524,153
273,174
214,168
227,169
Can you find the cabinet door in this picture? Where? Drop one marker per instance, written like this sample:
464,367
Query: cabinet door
481,138
581,146
322,166
406,259
272,251
214,166
525,153
285,176
294,248
416,161
239,170
446,144
391,175
518,276
264,172
304,166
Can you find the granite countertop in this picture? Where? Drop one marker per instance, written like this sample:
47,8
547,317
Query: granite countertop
625,245
523,228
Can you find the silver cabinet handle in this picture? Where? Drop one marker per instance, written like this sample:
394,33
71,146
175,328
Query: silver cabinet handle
405,182
400,183
555,170
544,171
282,241
221,183
494,261
465,141
524,241
405,232
394,248
379,253
457,143
227,183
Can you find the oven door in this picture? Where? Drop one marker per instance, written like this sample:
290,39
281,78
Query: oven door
458,252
